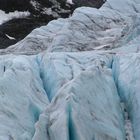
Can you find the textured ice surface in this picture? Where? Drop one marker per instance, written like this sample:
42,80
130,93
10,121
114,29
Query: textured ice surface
22,97
71,90
85,108
84,100
88,29
59,68
126,70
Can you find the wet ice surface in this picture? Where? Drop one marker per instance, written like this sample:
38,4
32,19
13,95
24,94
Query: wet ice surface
78,72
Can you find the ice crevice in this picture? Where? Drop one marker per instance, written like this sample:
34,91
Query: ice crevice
60,63
66,68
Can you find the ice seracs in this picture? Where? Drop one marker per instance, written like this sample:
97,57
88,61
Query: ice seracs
126,69
87,107
22,97
59,68
74,75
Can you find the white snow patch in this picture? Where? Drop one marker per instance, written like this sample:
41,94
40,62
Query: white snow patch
70,1
35,4
4,17
10,37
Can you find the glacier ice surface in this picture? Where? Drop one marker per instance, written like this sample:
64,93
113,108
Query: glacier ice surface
126,69
22,97
66,80
87,107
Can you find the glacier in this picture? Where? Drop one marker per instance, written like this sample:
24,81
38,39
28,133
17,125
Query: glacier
67,80
22,97
126,72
